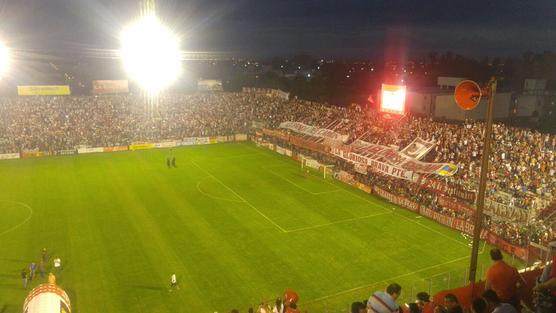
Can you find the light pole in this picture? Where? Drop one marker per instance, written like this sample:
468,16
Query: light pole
468,95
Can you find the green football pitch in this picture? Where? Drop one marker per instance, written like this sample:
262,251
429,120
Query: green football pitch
236,223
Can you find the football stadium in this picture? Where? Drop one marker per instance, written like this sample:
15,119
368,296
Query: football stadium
127,194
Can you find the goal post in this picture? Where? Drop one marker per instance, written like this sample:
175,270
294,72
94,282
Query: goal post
312,164
327,170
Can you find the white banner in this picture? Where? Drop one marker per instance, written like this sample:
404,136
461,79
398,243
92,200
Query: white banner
313,131
110,86
9,156
374,165
418,148
241,137
187,142
165,144
384,168
397,159
283,151
222,138
90,150
504,211
360,168
202,140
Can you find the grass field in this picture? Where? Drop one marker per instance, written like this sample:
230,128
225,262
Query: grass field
236,223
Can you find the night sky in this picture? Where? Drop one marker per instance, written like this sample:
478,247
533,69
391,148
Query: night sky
348,28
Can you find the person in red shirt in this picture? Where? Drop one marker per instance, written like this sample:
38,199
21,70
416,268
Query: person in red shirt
545,289
504,279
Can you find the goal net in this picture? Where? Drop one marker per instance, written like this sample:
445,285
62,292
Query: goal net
309,164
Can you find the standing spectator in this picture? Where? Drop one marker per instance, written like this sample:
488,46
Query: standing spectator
546,287
57,265
278,306
494,303
32,270
503,279
174,282
24,278
452,304
385,302
42,268
44,255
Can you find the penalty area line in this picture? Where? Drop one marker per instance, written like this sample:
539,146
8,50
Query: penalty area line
336,222
301,187
383,281
240,197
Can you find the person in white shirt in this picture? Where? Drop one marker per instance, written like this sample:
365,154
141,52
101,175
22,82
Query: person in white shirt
173,283
57,265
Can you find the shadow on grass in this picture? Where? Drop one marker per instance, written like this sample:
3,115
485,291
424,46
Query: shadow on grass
4,308
73,299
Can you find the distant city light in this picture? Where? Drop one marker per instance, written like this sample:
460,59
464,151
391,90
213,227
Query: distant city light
150,53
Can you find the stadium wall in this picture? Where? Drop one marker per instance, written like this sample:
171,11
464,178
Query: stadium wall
133,147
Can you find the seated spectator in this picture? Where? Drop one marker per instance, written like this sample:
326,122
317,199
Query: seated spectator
424,302
452,304
385,302
494,303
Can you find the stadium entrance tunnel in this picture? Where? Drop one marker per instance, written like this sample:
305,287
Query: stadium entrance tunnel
14,215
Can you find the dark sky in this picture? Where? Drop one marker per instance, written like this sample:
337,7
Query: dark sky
357,28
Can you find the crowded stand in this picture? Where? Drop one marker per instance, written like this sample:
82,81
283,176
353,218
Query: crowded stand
522,174
521,177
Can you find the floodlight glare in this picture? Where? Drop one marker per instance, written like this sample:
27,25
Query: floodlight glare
393,99
150,53
4,59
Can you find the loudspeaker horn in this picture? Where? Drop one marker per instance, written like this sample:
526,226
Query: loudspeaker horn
468,94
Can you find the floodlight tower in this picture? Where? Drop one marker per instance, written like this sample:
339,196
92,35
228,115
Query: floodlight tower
148,7
150,53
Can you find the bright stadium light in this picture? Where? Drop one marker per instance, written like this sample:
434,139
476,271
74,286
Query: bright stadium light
393,99
4,59
150,53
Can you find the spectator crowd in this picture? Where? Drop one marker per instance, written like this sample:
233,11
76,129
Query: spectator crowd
522,172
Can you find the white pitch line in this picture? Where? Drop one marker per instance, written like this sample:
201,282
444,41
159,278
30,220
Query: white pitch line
364,199
336,222
240,197
433,230
22,223
214,197
383,281
301,187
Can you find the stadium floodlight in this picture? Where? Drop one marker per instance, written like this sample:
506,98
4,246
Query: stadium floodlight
393,99
4,59
150,53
